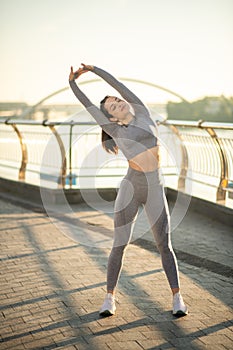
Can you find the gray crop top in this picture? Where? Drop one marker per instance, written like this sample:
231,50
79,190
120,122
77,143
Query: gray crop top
132,139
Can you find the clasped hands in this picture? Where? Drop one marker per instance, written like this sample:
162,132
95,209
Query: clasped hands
84,69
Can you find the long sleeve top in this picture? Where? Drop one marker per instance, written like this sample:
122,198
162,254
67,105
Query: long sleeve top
132,139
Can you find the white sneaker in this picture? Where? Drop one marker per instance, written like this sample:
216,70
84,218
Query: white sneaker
108,308
179,307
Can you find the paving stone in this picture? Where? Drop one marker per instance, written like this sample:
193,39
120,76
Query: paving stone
52,288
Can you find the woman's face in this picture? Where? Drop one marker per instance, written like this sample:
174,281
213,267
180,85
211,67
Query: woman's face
118,108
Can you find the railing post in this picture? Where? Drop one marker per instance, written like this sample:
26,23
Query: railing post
62,178
221,193
184,158
24,152
71,175
70,155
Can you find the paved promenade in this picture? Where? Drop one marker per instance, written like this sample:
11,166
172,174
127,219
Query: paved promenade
52,286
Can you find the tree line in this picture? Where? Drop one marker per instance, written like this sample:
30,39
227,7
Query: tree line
212,109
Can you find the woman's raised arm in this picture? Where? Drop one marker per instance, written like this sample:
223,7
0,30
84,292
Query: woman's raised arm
127,94
96,113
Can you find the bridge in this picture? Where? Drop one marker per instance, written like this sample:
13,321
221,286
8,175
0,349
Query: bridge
56,203
91,81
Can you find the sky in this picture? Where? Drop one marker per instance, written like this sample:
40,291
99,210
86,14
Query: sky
183,45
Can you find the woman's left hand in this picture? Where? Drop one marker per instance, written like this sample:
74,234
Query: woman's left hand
87,67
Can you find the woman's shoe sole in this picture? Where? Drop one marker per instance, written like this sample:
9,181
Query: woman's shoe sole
181,313
106,313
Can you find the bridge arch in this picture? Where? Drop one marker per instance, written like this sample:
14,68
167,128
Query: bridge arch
97,80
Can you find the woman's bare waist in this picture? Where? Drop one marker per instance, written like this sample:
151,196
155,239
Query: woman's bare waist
146,161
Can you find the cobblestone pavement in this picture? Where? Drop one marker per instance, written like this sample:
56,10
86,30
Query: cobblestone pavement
52,286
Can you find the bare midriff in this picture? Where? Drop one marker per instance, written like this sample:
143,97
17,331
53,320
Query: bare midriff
146,161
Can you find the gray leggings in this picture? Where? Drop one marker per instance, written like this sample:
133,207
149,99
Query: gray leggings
138,188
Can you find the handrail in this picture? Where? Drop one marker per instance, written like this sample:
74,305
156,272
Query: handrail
199,123
46,122
219,145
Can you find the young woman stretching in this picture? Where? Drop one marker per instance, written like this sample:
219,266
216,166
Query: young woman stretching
127,126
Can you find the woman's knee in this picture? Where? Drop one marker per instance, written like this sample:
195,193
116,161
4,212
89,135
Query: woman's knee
118,251
164,246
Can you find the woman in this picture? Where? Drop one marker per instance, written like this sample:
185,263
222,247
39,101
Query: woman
127,126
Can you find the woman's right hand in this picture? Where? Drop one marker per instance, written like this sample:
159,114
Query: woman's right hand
74,75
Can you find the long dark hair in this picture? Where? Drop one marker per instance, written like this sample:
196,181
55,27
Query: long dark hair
107,141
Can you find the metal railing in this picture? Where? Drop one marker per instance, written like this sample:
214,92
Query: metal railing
209,149
205,152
